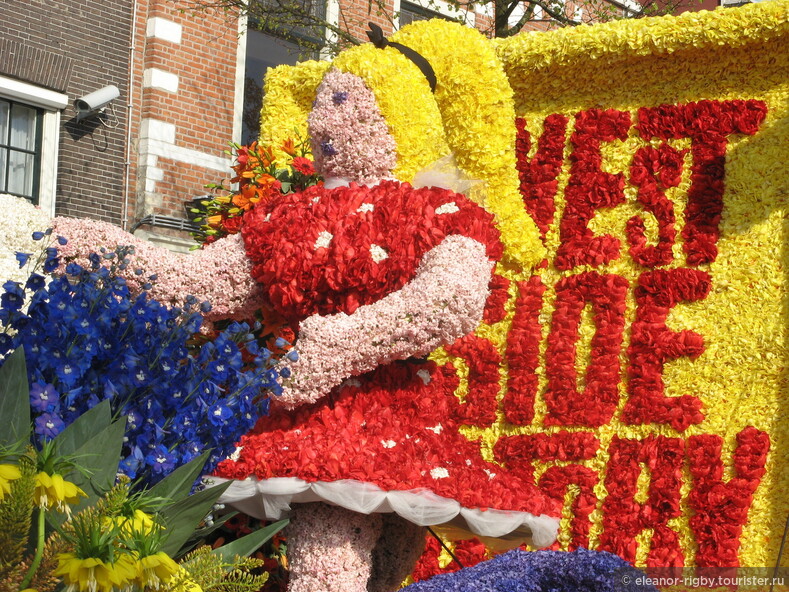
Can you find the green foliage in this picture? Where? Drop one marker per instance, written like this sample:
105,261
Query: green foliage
214,573
250,543
16,510
14,400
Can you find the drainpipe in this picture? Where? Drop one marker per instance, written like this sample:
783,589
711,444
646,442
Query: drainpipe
129,114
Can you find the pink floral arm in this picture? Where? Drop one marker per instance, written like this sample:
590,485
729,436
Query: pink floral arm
443,302
219,273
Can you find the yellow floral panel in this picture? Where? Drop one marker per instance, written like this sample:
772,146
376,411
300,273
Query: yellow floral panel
643,382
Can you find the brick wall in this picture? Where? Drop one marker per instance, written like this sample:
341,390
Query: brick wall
76,47
186,76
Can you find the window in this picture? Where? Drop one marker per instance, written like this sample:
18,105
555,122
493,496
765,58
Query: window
20,149
29,134
413,12
263,51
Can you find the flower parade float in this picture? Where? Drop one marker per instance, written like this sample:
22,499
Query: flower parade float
637,375
377,274
593,339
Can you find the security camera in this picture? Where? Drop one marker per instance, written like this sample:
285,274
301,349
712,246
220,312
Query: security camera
92,104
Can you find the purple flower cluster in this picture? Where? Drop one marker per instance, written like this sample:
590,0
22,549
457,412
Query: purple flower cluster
542,571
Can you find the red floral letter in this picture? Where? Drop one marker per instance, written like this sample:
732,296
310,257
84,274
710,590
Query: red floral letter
483,379
590,189
520,451
653,171
555,481
708,124
495,305
652,344
624,517
720,509
538,177
596,404
523,348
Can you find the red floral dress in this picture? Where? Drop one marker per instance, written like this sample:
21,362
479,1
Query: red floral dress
396,427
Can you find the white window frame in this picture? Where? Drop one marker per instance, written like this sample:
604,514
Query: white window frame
52,103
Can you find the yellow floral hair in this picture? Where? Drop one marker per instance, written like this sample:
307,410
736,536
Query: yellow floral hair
476,103
289,92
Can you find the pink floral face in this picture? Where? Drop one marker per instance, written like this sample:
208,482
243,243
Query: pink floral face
350,138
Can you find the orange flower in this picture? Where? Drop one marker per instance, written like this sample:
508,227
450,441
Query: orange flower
247,197
288,147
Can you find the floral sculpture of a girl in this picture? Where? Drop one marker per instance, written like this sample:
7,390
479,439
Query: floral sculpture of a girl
365,439
375,272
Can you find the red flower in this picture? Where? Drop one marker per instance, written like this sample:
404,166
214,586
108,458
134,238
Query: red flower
708,124
232,225
624,517
523,349
596,404
303,165
721,509
539,177
589,189
652,344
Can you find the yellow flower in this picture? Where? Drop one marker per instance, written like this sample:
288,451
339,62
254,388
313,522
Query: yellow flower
7,474
139,522
53,490
154,570
92,574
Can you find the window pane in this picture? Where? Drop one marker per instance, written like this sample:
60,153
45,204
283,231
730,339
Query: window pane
23,127
3,156
4,109
20,173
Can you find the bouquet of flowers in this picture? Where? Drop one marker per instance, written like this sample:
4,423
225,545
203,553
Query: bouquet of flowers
261,176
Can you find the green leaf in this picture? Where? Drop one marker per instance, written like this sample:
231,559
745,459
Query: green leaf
84,428
99,457
182,518
250,543
199,535
177,485
14,400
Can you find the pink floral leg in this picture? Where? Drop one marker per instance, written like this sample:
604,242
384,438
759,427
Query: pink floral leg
330,548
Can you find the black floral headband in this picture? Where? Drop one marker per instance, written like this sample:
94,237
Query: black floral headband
376,35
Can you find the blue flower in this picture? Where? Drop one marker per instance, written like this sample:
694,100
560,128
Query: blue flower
43,398
22,258
328,149
219,414
542,571
131,464
161,460
12,301
87,339
37,236
49,425
35,282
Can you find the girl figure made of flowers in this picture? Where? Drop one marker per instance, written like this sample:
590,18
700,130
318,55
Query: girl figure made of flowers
378,274
364,441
